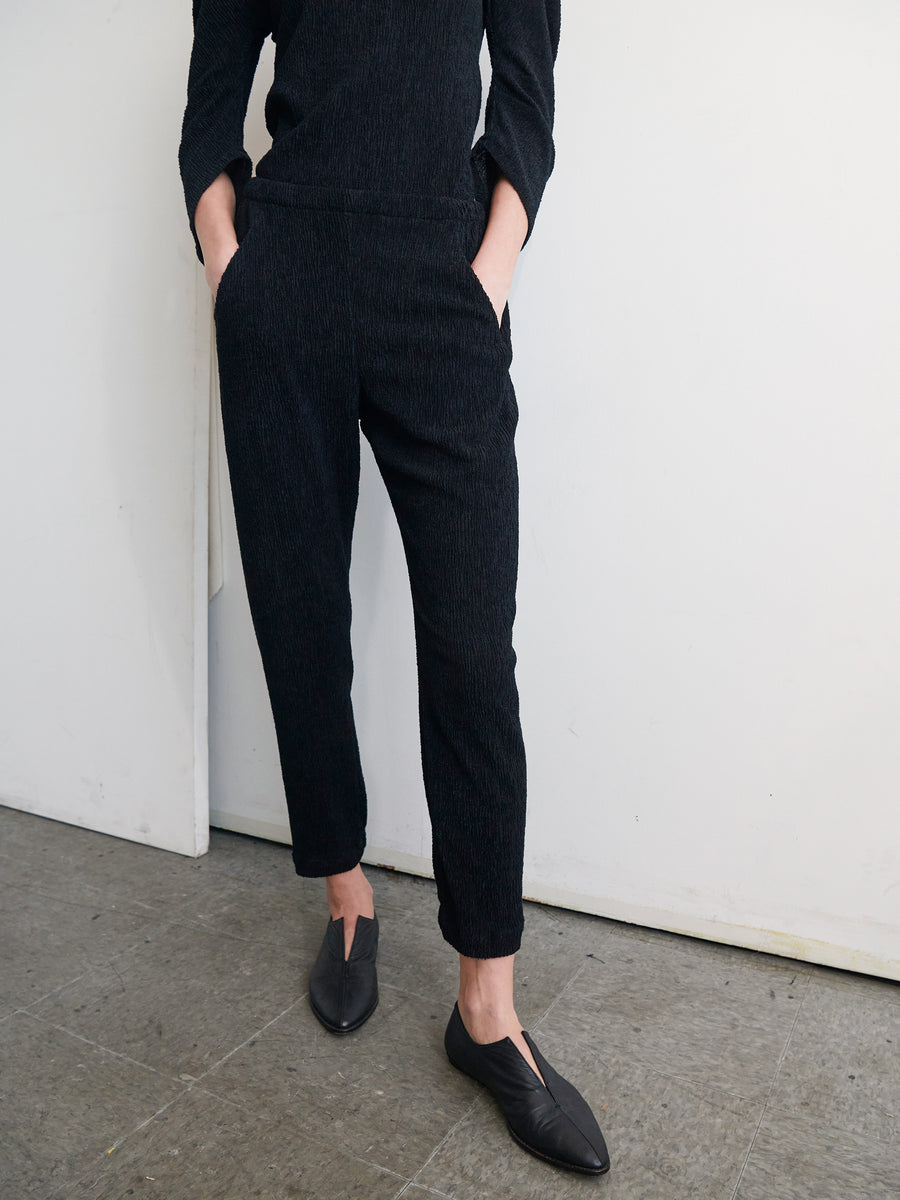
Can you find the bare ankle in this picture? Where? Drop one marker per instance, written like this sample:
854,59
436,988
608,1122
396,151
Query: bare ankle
486,987
349,895
484,1005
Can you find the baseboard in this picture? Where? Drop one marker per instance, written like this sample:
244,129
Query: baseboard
768,941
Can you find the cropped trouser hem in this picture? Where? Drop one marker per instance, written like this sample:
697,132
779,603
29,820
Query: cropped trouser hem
318,867
483,942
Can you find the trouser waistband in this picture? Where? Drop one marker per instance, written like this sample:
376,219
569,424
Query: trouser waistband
363,200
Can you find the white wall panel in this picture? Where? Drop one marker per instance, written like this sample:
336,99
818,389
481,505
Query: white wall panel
103,428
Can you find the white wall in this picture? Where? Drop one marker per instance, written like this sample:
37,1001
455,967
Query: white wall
707,364
102,428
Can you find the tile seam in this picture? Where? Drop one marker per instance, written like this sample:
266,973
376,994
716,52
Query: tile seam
768,1096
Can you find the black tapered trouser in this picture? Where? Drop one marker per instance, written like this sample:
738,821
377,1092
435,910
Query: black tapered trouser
344,309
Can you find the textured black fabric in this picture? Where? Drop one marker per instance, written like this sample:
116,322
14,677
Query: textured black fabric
351,303
345,309
375,94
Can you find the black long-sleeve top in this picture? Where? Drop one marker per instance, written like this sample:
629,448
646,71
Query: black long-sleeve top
374,94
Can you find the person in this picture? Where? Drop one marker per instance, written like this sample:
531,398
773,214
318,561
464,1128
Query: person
360,281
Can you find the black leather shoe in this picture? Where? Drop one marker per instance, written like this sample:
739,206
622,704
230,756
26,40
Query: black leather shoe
554,1122
344,993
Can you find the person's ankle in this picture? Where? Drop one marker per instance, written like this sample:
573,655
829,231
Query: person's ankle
486,1009
350,913
350,905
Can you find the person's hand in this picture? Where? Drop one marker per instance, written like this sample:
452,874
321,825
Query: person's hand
216,260
214,222
495,261
495,277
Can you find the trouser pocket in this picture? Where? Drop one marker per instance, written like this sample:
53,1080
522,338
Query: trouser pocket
472,234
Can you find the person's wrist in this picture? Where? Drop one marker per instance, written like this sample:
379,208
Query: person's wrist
214,219
495,273
218,243
216,258
496,277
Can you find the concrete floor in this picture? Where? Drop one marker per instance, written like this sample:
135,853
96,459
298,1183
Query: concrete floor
156,1041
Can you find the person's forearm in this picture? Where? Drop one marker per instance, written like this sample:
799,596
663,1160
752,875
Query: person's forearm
214,221
507,227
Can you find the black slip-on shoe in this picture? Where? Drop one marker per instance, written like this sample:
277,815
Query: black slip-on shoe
554,1122
343,994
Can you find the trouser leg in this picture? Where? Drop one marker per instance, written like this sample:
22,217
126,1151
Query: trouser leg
439,411
290,420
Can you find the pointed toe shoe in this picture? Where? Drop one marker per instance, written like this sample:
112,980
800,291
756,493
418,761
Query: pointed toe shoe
343,994
554,1122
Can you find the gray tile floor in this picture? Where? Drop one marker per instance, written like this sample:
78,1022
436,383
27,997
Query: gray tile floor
156,1041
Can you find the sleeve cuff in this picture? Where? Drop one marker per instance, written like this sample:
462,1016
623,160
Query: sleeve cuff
490,161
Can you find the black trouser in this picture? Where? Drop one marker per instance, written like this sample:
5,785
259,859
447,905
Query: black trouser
344,309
